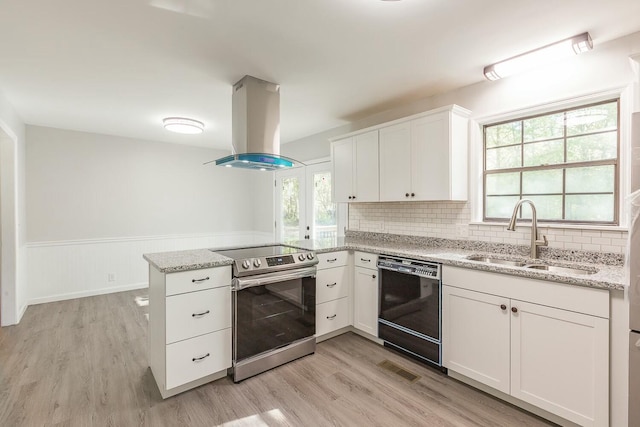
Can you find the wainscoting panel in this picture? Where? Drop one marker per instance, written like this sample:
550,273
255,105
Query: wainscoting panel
73,269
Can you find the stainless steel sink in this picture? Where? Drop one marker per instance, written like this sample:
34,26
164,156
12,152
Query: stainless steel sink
556,269
497,261
524,264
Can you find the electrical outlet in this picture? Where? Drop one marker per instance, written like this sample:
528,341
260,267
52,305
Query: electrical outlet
111,277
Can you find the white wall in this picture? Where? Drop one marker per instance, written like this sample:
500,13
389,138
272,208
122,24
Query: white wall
96,203
606,69
12,215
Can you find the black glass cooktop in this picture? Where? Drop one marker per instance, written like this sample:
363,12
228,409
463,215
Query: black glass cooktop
258,252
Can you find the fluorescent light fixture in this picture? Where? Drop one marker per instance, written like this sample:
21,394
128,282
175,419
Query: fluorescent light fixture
183,125
546,54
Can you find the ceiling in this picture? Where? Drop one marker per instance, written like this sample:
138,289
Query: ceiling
119,66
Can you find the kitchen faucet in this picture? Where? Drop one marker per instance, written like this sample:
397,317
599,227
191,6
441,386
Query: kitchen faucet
535,240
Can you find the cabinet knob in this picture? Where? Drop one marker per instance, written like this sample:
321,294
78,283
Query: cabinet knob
406,194
413,194
350,197
354,197
503,307
514,309
373,276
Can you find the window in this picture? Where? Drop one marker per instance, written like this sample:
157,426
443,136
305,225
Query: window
566,162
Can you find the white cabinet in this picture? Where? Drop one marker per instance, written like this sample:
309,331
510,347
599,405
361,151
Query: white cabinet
425,158
189,327
365,293
543,343
355,168
333,292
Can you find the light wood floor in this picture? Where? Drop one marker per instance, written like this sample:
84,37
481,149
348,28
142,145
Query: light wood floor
84,363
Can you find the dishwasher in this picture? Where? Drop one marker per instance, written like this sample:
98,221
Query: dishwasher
410,307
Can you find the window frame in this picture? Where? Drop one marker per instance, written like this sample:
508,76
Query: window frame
615,162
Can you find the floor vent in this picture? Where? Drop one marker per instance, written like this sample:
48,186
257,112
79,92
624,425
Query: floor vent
399,370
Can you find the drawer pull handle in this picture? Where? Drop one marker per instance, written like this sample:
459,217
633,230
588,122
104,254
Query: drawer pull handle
204,313
332,260
197,359
199,280
365,260
331,317
331,285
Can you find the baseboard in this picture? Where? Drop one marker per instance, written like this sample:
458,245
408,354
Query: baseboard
83,294
21,313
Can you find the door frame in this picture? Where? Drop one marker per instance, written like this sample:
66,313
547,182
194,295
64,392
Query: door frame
9,310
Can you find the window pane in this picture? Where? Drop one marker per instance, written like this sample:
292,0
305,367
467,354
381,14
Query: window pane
291,208
506,134
544,127
544,153
547,207
589,207
592,147
503,183
542,182
503,158
324,212
594,179
500,206
592,119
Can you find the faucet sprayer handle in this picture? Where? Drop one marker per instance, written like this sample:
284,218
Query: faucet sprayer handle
543,242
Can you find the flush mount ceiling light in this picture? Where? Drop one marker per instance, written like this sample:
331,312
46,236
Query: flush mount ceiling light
183,125
546,54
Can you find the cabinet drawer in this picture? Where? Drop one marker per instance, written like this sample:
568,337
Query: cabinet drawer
197,280
366,260
332,259
198,357
197,313
332,315
332,283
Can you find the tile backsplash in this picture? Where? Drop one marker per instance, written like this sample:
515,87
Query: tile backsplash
451,220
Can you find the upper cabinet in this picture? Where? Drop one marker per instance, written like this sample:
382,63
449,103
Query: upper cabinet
419,158
355,168
425,158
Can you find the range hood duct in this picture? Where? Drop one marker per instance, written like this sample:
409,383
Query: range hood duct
256,127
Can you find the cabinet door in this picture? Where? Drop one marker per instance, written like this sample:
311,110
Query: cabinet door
343,163
395,162
365,300
475,336
430,157
366,181
560,362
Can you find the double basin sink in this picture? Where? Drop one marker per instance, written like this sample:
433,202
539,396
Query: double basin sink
531,265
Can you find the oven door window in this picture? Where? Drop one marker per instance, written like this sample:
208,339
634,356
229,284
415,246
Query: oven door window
410,301
274,315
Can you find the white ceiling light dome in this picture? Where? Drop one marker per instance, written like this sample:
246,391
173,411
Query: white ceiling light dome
183,125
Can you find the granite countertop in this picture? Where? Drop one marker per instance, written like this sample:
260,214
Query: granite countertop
608,276
171,262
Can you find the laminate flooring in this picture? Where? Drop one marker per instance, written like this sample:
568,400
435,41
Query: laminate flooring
83,363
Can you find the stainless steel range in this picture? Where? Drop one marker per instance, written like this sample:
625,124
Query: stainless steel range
274,300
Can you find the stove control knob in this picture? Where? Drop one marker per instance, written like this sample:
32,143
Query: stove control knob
310,255
301,257
246,264
257,263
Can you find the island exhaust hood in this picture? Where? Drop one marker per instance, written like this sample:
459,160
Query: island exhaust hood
256,127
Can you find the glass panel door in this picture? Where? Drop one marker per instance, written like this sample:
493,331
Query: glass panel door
290,205
324,218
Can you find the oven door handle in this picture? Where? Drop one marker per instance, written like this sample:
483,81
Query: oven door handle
266,279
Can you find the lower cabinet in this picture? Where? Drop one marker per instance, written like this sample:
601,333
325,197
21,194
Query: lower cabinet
365,293
549,356
333,296
189,327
